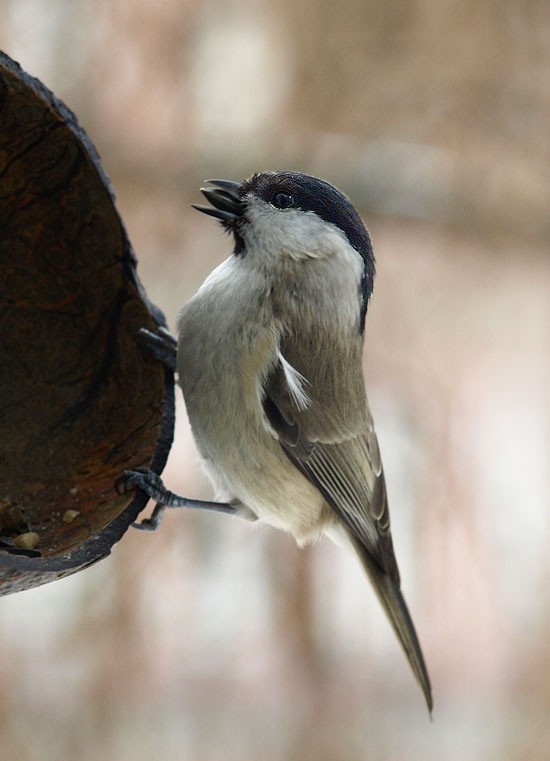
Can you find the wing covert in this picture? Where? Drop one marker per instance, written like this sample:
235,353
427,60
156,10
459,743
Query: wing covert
339,455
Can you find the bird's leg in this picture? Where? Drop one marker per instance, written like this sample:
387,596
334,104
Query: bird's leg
160,345
151,484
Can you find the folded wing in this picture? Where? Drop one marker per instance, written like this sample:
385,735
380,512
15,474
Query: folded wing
325,427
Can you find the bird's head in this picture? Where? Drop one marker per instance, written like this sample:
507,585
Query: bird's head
290,215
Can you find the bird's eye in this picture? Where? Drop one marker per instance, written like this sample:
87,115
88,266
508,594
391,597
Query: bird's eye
283,200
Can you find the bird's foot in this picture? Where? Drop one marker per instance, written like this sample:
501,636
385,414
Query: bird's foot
161,346
152,485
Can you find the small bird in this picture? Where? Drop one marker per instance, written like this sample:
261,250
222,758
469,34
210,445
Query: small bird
269,359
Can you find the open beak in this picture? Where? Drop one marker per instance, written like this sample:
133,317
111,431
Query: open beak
226,204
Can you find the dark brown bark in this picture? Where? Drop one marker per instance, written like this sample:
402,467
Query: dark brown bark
79,400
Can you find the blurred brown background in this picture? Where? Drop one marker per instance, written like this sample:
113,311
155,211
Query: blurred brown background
213,640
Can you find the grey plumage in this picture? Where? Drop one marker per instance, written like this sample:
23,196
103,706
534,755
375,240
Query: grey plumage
270,364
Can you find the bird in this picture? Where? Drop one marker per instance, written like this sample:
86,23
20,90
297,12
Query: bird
269,359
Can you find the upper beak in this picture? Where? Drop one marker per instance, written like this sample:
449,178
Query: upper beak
226,203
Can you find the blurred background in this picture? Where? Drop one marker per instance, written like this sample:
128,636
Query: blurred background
212,639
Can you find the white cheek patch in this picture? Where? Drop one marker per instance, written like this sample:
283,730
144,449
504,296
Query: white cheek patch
295,382
293,233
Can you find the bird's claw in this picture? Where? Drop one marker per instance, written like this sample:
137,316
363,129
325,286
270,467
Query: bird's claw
143,479
148,482
161,345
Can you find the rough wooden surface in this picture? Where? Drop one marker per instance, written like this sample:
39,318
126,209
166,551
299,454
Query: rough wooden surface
79,400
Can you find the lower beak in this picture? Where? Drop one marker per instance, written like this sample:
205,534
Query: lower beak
225,201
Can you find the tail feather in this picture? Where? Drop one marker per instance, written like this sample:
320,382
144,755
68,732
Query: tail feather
393,602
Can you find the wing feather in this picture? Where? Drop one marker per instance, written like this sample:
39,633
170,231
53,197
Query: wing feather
339,454
331,440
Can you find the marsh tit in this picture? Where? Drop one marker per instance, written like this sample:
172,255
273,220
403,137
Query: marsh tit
269,358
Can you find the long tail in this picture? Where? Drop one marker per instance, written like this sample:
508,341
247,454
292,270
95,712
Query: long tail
393,602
